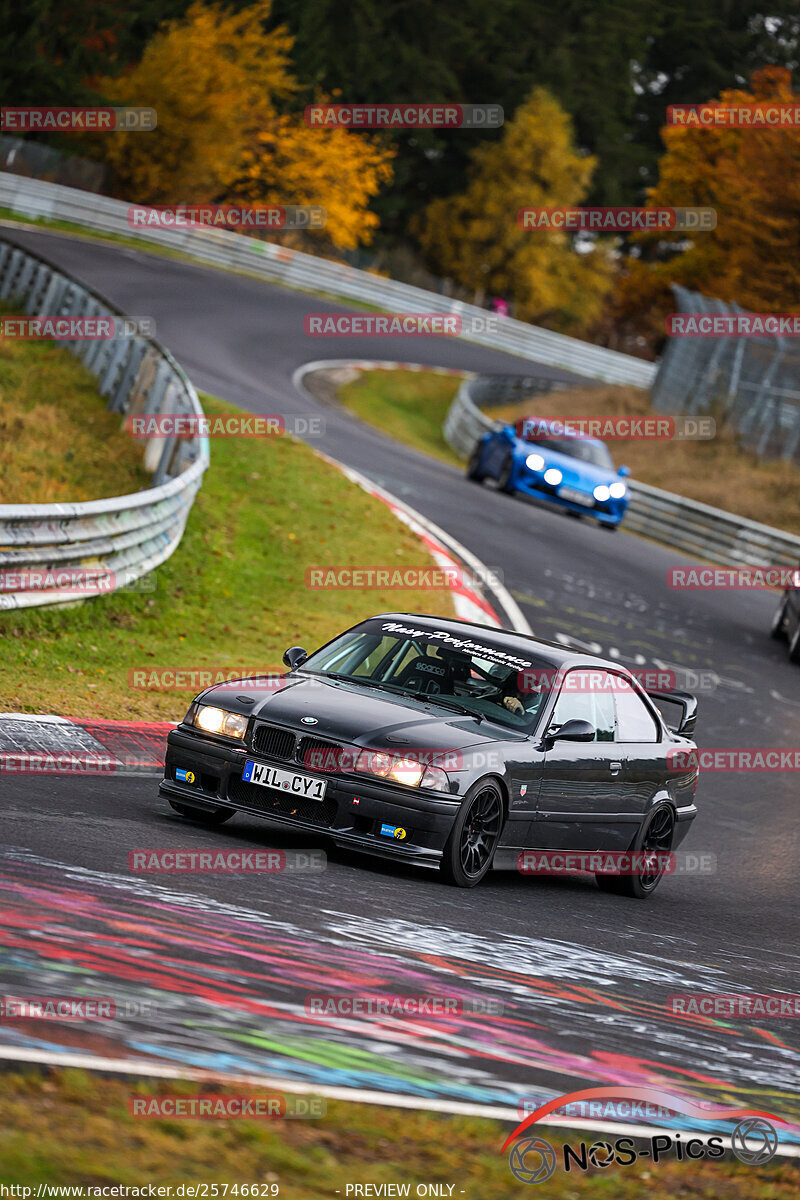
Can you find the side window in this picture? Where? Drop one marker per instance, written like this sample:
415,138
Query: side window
634,723
587,696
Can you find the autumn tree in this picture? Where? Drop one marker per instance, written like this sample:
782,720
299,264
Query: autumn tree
213,76
288,162
222,84
751,177
474,237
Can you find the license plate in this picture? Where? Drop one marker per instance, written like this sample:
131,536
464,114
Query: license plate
302,786
568,493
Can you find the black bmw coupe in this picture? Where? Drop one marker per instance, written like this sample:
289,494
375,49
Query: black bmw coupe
449,745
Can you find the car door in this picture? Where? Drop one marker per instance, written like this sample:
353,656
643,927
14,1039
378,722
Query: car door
579,797
643,751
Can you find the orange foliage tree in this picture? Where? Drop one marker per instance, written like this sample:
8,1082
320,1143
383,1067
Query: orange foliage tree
751,177
220,84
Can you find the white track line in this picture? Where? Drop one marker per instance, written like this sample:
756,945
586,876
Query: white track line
155,1070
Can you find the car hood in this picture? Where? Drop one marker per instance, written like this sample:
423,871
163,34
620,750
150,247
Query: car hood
576,473
357,716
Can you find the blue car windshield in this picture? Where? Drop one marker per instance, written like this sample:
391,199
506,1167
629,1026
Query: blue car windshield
589,452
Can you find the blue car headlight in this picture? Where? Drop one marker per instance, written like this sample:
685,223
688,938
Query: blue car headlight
601,493
535,462
618,491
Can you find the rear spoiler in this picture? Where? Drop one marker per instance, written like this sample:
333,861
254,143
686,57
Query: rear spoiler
678,711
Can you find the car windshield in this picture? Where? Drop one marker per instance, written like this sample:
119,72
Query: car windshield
590,452
462,673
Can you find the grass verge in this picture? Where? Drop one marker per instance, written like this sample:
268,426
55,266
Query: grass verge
411,407
58,441
73,1128
232,597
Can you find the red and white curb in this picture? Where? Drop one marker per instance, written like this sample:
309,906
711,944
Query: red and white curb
368,364
33,744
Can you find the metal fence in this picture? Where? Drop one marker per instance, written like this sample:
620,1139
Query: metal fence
125,537
749,384
234,251
23,157
709,533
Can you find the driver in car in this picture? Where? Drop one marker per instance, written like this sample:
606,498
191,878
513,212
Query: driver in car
520,695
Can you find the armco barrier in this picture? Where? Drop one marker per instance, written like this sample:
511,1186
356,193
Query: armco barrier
225,248
125,536
709,533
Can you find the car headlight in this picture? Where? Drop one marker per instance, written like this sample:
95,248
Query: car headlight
601,492
535,462
401,770
618,490
553,476
216,720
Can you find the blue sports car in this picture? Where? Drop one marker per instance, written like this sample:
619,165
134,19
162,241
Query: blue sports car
576,473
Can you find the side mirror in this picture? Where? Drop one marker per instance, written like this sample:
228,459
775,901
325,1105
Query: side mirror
573,731
624,472
294,657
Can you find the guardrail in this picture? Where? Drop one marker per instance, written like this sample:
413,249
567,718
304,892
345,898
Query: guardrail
234,251
122,538
710,533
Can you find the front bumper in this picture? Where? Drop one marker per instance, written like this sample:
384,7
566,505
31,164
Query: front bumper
607,512
351,814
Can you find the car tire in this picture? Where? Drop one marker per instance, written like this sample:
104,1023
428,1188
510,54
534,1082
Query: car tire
656,835
776,629
203,816
505,479
473,839
473,469
794,645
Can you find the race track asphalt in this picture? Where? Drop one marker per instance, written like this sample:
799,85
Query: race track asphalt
583,976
